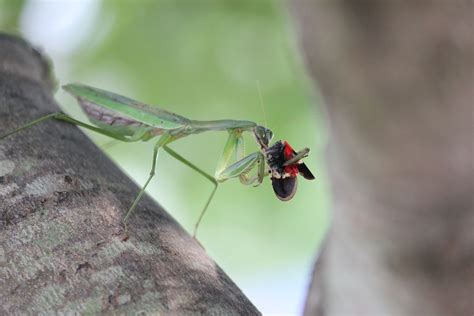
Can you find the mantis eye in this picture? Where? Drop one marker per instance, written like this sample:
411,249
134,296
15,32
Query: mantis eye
269,135
263,135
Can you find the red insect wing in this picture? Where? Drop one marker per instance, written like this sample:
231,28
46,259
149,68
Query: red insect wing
292,170
288,152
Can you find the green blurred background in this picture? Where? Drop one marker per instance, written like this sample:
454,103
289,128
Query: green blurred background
202,60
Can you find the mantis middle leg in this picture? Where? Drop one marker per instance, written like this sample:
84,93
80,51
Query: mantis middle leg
162,141
225,169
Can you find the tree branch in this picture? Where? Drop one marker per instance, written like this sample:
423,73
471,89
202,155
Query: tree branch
397,78
62,202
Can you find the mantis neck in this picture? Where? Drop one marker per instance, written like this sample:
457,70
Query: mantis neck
220,125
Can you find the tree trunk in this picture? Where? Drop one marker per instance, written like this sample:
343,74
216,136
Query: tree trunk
62,201
397,80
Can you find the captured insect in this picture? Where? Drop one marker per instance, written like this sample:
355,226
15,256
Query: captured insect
127,120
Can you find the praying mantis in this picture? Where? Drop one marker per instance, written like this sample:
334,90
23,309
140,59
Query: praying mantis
127,120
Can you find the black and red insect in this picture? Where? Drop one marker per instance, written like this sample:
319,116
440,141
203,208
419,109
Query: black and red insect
285,165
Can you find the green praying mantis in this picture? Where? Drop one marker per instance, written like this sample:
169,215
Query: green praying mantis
127,120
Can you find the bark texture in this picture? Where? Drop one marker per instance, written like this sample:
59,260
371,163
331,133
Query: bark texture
397,80
62,246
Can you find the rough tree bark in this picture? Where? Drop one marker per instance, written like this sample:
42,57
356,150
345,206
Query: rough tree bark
397,79
61,206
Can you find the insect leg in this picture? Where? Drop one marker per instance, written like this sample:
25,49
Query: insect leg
166,138
34,122
261,169
201,172
109,144
66,118
241,168
260,162
230,150
297,157
140,134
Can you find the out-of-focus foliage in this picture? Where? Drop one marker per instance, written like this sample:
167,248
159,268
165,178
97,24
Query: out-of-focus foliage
202,59
9,15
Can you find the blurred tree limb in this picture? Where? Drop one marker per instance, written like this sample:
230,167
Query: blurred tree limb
397,79
62,245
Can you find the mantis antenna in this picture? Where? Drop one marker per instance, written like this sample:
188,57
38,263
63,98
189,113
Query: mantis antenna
261,102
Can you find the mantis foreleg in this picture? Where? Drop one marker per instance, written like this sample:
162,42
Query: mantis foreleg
242,167
244,176
231,150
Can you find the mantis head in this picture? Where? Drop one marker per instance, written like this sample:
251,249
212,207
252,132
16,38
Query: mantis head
263,135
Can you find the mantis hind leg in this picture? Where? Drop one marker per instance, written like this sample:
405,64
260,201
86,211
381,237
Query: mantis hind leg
34,122
66,118
201,172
